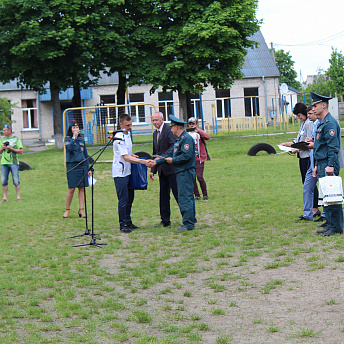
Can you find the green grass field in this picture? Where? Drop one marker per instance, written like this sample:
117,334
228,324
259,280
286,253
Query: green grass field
156,286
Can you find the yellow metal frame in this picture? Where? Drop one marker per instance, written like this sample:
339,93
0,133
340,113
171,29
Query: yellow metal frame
98,107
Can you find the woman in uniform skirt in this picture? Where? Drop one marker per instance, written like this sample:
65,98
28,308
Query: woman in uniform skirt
75,153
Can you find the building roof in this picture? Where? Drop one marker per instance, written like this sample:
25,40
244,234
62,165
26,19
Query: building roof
259,61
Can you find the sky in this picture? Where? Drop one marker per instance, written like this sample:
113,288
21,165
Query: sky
306,28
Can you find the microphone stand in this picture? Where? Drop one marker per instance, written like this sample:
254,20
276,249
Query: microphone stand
88,232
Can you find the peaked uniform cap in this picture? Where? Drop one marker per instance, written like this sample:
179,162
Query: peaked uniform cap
317,98
176,121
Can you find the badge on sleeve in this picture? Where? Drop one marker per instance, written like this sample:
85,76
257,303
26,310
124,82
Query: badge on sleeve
332,132
186,146
67,143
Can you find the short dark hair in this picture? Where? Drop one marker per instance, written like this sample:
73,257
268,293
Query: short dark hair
300,108
124,117
309,108
8,126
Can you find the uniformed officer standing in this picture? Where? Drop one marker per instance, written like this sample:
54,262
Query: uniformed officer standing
326,161
182,156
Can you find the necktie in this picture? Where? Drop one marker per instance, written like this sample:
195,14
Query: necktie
158,135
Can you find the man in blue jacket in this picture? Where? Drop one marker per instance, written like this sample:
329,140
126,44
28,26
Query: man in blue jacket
326,161
182,156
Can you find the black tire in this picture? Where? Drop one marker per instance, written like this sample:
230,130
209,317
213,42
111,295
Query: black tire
261,146
24,166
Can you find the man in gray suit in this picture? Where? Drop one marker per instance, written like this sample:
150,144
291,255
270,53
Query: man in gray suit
163,141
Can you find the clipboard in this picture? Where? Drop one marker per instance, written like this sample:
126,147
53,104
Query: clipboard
301,145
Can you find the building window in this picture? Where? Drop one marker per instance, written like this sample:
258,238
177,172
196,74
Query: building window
137,112
196,104
251,101
166,104
223,103
29,110
108,115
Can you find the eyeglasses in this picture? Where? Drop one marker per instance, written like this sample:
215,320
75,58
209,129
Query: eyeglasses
192,123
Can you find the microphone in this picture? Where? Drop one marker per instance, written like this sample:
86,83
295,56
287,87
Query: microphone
116,131
113,133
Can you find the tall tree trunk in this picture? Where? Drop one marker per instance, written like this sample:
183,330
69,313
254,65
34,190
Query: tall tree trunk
185,106
76,100
122,87
76,103
55,101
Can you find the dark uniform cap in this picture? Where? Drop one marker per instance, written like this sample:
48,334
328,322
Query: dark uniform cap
73,123
317,98
176,121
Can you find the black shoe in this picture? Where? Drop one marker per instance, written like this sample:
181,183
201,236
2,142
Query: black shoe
304,218
198,198
183,229
301,216
320,219
329,233
205,198
322,231
125,229
318,213
162,223
323,224
132,226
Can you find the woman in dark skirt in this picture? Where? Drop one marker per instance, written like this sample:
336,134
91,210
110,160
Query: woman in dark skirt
75,153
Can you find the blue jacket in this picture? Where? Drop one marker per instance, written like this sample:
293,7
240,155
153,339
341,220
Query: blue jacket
327,141
182,154
75,150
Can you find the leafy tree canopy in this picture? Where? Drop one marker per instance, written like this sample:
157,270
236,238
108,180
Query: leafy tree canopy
336,72
200,43
286,67
321,85
6,110
57,41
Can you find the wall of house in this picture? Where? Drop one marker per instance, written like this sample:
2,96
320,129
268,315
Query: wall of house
208,104
16,97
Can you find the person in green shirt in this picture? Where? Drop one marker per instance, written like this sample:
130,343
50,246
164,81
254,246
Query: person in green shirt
10,147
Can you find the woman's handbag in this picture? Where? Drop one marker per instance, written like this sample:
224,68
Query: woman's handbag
138,177
330,190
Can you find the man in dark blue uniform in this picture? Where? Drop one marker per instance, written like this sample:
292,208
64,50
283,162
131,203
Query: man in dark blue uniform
182,156
326,161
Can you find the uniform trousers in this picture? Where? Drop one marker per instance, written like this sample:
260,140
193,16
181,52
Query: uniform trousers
199,175
186,200
125,199
166,184
333,212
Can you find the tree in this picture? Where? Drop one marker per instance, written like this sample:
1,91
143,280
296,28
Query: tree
6,110
60,42
336,72
286,67
321,85
196,43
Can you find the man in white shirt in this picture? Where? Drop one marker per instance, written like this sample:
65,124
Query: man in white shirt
121,171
